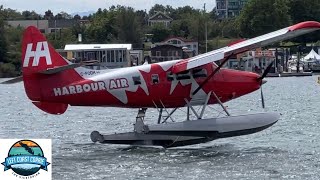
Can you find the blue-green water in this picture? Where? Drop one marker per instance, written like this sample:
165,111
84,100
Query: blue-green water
23,151
290,149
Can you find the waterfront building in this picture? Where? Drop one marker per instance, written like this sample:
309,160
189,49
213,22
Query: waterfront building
160,18
108,55
229,8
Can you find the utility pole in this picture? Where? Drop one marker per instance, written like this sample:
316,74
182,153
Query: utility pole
55,29
227,8
206,26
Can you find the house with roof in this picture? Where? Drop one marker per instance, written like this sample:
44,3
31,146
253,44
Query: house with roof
160,18
188,45
173,48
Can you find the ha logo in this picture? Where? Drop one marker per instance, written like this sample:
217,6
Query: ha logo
42,50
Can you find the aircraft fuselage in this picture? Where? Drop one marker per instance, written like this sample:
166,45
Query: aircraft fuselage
148,85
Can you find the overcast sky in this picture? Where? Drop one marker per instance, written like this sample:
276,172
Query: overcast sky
71,6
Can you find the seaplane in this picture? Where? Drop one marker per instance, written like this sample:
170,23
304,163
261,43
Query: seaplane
53,84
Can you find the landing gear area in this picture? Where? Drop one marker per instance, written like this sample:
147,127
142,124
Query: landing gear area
188,132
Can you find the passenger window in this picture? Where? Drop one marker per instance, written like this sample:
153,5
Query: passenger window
170,76
197,73
183,75
136,80
155,78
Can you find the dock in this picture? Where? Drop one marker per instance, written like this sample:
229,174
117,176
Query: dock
286,74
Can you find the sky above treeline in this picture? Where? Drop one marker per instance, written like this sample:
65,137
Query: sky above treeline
75,6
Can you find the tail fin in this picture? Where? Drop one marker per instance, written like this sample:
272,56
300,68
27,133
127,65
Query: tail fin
38,56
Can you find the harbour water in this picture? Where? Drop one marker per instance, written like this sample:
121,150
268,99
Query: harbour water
290,149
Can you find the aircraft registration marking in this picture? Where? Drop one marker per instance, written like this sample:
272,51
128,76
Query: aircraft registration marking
89,73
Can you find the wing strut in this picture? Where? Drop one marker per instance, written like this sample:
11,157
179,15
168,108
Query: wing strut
212,74
223,107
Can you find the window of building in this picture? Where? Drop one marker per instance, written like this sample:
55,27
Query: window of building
158,53
108,56
116,53
112,59
249,63
124,55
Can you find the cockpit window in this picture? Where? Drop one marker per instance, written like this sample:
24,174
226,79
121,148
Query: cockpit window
197,73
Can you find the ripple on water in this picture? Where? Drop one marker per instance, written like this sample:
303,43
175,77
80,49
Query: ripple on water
287,150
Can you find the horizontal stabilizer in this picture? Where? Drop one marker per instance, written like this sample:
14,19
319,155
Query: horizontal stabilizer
51,108
60,69
12,81
67,67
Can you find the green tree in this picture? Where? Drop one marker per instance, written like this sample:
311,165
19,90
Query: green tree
260,17
3,42
30,15
11,14
156,8
48,14
128,27
305,10
14,38
160,33
102,28
63,15
61,38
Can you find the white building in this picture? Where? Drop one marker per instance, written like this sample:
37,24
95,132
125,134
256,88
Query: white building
254,61
109,55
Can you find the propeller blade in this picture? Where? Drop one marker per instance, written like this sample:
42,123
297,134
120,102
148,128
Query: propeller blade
262,97
266,71
262,81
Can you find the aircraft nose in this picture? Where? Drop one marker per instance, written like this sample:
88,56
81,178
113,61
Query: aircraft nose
264,81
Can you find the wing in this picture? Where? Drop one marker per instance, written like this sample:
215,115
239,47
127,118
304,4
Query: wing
260,41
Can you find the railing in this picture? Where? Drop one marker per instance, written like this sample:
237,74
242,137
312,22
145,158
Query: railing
164,58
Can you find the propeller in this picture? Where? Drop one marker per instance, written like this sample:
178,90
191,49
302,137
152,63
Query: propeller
266,71
262,81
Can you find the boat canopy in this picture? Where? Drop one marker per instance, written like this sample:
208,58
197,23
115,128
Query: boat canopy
311,57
